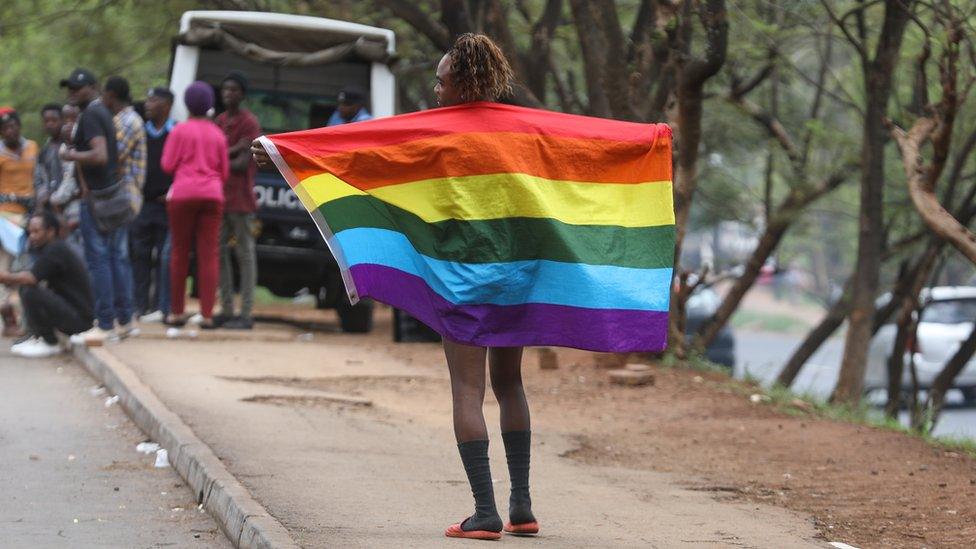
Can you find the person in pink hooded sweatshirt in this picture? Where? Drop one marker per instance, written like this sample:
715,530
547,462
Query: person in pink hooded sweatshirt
196,155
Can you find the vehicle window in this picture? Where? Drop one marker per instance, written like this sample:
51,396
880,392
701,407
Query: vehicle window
950,312
279,112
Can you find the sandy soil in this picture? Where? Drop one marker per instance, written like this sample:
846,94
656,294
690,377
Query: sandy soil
877,487
866,486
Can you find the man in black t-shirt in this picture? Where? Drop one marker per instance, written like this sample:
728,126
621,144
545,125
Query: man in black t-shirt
55,293
95,149
95,155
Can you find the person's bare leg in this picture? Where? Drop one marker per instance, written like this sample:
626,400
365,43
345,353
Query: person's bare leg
505,364
466,364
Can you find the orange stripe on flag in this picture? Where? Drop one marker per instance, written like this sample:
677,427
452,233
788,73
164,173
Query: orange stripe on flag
549,157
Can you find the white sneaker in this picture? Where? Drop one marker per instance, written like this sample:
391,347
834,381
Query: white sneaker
196,319
38,348
25,343
155,316
128,330
96,337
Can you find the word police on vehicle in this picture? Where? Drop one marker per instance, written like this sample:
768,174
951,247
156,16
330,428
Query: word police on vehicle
276,197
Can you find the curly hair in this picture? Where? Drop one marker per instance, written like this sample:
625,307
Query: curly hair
479,69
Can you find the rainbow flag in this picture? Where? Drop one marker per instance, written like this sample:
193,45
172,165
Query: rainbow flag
498,225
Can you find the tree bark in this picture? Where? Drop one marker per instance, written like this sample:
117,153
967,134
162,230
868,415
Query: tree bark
923,196
410,12
878,83
908,307
593,49
539,58
943,382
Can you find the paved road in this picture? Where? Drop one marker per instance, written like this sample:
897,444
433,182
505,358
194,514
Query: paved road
70,474
388,475
762,355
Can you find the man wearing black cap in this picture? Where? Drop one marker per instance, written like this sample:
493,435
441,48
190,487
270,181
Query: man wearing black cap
95,155
352,107
150,230
241,127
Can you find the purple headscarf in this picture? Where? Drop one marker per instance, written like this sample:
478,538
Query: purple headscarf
199,98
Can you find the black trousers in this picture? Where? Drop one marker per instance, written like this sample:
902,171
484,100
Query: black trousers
147,236
46,311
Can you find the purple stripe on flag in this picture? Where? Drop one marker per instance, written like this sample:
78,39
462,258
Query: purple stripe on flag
531,324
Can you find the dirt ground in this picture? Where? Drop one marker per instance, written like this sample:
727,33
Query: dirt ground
867,486
880,488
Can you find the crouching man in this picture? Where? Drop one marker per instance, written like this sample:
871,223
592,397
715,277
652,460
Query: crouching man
55,293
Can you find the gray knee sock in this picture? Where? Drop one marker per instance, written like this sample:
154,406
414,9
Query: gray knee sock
474,455
517,445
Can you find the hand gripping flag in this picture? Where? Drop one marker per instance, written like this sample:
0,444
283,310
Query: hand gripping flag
498,225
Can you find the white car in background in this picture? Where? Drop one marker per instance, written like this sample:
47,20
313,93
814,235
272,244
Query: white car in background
947,320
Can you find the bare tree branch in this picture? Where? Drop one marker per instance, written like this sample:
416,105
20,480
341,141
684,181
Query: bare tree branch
411,13
857,43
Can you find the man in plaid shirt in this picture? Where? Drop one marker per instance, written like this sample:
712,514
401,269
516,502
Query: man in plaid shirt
130,136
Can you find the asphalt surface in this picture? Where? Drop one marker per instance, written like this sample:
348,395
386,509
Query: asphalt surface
388,475
71,475
763,354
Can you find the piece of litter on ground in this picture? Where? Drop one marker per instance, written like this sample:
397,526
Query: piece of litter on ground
71,457
630,377
97,390
111,400
698,379
757,398
32,457
172,333
176,509
162,458
147,447
191,333
840,545
60,369
75,521
306,337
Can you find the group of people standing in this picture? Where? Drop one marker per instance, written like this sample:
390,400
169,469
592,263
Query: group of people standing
133,194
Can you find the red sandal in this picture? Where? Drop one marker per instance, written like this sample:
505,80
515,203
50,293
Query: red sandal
523,529
455,531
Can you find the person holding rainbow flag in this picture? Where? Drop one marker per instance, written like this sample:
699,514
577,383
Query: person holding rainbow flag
499,227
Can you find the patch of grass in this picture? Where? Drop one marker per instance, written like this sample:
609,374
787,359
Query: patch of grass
766,322
694,361
796,404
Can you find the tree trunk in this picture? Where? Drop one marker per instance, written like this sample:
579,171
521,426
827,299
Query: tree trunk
943,382
878,82
839,311
827,326
896,362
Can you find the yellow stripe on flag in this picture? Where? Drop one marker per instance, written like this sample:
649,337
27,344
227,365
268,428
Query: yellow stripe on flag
497,196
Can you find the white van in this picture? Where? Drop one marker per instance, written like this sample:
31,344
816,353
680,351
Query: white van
309,87
295,66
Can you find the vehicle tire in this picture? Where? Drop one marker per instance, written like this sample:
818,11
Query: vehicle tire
356,318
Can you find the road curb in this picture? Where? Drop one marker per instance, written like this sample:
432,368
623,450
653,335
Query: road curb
245,522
